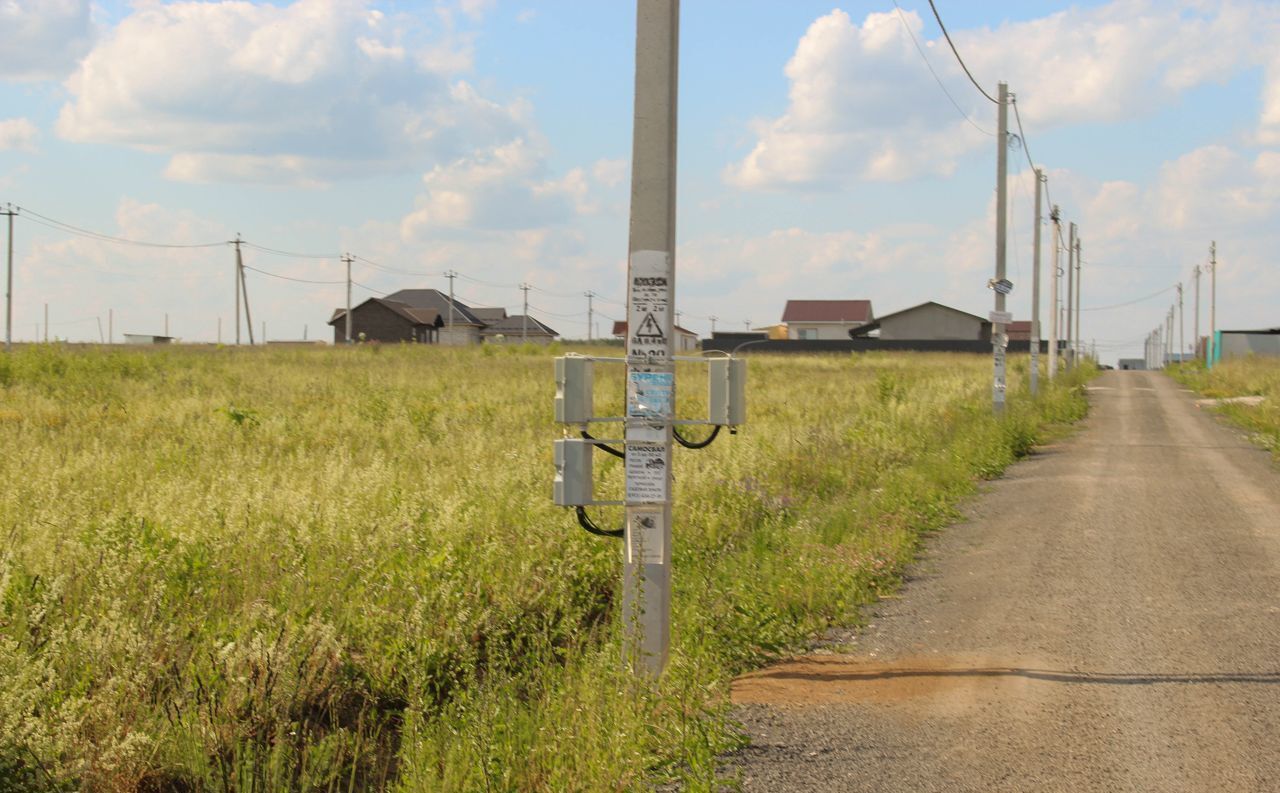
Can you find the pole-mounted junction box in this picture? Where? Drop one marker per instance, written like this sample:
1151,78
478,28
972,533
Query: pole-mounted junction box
727,391
574,477
573,390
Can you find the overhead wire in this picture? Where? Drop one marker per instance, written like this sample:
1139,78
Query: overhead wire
293,254
291,278
936,78
1130,302
59,225
957,54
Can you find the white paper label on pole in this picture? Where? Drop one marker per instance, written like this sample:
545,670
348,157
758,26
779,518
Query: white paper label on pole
646,533
646,473
1001,317
649,325
650,395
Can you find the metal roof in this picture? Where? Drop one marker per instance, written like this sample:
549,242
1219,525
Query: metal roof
827,311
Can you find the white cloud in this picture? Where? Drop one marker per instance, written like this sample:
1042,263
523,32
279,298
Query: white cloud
610,173
503,188
300,93
18,134
863,107
43,39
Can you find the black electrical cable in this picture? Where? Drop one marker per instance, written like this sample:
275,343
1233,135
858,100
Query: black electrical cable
702,444
615,452
585,522
947,35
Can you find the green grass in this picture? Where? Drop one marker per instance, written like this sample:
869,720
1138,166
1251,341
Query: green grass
264,570
1252,376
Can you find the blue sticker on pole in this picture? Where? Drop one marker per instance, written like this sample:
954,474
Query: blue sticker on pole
650,395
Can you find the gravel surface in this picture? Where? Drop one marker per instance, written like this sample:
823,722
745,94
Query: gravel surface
1106,619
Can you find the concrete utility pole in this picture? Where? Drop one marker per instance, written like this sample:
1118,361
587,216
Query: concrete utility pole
1071,283
449,323
346,258
524,318
999,341
1077,347
239,275
8,289
46,323
1055,315
1195,334
1213,300
651,271
713,319
1035,292
244,289
590,312
1182,322
111,326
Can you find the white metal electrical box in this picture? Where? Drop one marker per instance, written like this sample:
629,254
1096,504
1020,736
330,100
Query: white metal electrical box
573,390
573,482
727,396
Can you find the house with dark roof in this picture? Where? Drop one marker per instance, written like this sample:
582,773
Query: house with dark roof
928,321
517,329
825,319
686,340
428,316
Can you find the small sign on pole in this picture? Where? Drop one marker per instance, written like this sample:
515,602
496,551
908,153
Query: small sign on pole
1000,317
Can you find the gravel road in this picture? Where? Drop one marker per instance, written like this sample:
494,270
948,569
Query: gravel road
1107,618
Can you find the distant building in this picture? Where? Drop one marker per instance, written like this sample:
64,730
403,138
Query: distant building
147,338
516,329
825,319
1242,343
1018,330
929,321
686,340
1131,364
428,316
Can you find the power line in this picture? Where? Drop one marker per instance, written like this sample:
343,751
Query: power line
957,54
1131,302
1026,148
59,225
385,268
293,254
291,278
936,78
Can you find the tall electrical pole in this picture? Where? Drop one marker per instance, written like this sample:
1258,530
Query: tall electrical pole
46,323
1078,347
1182,322
449,323
244,289
1035,292
590,312
713,319
1071,283
1055,315
346,259
1213,300
1195,334
524,318
8,289
651,271
999,341
239,275
111,326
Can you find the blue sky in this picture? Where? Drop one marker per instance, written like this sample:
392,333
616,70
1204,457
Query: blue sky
818,156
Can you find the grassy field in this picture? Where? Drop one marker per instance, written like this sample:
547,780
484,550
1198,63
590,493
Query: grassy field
322,570
1253,376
